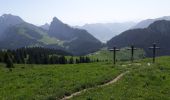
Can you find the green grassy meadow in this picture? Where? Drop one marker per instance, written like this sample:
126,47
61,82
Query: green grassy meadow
37,82
52,82
143,82
122,55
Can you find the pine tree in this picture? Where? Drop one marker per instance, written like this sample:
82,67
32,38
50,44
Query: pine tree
77,61
71,60
46,59
56,60
63,60
8,61
97,60
52,60
1,56
87,60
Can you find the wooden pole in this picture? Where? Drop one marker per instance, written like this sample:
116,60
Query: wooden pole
154,47
114,54
132,52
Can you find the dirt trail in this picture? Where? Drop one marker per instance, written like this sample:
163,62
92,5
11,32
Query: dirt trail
105,84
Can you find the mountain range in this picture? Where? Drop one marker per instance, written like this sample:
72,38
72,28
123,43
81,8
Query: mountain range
105,31
16,33
147,22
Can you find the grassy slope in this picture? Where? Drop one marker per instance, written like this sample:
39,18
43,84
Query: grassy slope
45,38
142,83
51,81
122,55
50,40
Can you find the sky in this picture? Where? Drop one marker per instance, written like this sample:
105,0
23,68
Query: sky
79,12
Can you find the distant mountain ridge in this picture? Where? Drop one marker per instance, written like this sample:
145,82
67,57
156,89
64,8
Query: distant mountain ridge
158,32
7,20
105,31
16,33
22,35
46,26
147,22
75,39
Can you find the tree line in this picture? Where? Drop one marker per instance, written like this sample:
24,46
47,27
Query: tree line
38,55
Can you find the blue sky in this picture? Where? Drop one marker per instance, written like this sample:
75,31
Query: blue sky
76,12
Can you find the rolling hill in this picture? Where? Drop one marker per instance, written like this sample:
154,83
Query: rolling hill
158,32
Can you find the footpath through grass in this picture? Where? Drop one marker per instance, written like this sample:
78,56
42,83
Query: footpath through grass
122,55
37,82
144,82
